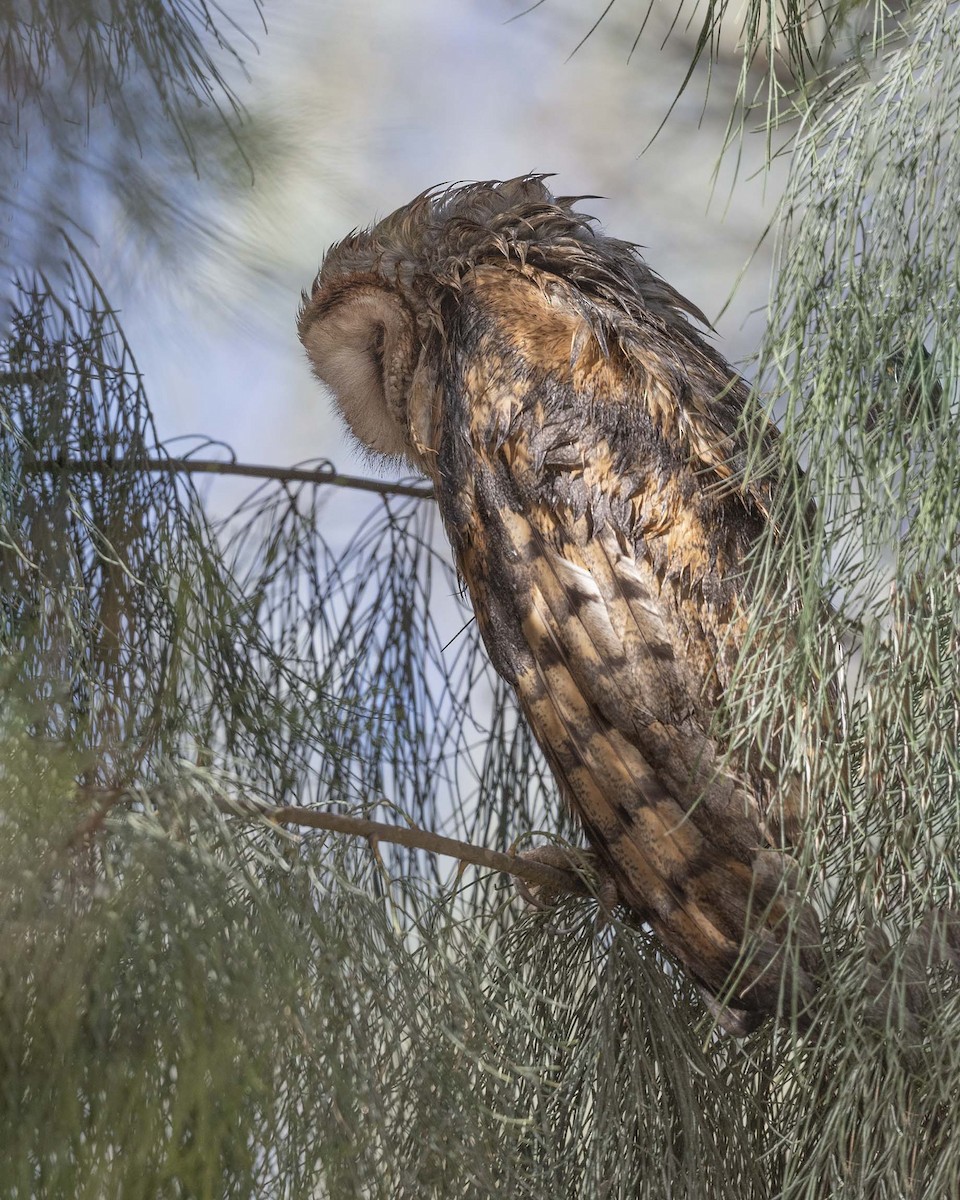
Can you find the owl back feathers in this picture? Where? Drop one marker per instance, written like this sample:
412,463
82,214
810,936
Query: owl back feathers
610,586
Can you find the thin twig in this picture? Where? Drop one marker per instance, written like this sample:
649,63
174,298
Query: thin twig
210,466
539,874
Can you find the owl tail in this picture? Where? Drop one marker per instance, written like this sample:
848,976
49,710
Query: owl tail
752,946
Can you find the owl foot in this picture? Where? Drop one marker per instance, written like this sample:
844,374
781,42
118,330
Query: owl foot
593,879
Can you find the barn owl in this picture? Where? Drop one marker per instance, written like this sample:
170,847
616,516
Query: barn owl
583,442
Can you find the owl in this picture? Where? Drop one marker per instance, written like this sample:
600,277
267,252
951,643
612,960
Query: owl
585,446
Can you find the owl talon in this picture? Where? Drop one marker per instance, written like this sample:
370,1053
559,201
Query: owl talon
608,897
599,883
526,893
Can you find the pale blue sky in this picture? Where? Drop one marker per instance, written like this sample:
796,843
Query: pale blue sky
382,98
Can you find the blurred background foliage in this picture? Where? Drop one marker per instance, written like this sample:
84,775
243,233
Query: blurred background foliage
196,1002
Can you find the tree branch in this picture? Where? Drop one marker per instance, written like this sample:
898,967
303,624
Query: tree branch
209,466
539,874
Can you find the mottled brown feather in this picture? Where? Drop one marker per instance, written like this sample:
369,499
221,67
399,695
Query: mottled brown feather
625,612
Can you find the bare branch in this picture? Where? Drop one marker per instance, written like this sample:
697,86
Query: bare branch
205,466
540,874
537,873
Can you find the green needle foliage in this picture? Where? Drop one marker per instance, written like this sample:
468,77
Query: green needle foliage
861,356
196,1002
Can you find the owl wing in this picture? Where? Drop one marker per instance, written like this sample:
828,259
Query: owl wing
577,471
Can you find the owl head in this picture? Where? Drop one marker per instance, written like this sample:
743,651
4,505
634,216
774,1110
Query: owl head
382,313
